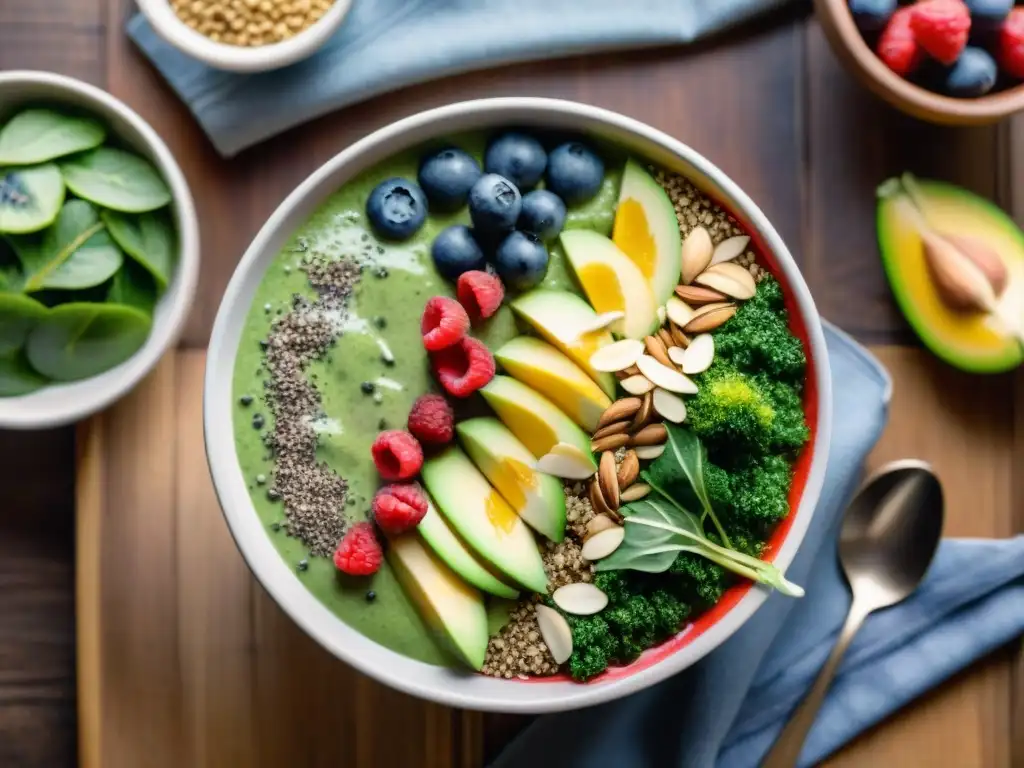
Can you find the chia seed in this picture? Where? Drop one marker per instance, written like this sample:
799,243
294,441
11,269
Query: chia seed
275,527
258,421
371,596
245,399
273,494
303,564
382,424
382,272
261,479
367,387
381,322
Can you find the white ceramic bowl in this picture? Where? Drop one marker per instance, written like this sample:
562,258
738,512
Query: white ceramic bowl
60,404
237,58
454,687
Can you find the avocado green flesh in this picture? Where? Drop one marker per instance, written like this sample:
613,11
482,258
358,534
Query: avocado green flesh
970,342
442,540
506,463
483,518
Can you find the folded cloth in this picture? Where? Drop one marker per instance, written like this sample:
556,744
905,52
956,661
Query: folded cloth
384,45
727,710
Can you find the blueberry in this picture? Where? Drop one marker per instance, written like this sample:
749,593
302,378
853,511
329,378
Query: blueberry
521,261
396,208
455,251
519,158
543,214
871,15
987,15
494,203
973,74
446,178
574,172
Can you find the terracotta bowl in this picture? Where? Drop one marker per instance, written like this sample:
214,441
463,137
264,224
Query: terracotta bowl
848,43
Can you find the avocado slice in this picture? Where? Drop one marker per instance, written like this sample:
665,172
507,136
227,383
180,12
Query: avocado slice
452,609
508,465
977,342
442,539
483,518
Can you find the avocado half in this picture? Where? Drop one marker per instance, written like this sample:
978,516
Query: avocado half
978,343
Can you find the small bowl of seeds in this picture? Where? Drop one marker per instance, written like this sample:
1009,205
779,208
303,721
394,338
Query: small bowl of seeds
246,35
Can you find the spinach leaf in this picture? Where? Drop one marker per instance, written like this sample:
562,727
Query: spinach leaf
76,252
644,548
133,286
113,178
18,316
30,198
148,238
17,376
678,475
38,135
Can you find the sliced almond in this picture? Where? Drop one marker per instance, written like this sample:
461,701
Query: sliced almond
649,452
665,377
597,323
623,408
598,503
554,630
600,545
637,491
696,253
652,434
643,416
609,443
636,385
695,295
675,354
680,338
617,355
629,469
565,460
730,279
599,523
729,249
656,348
607,480
666,337
581,598
615,428
710,317
698,357
678,311
669,406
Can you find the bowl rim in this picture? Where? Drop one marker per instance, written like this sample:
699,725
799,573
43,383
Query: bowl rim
235,58
85,397
450,687
841,31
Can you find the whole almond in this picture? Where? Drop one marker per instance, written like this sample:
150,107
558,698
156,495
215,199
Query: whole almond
635,492
607,479
959,282
712,317
615,428
696,253
599,523
656,348
644,413
629,469
599,504
609,443
652,434
622,408
984,258
680,338
666,337
695,295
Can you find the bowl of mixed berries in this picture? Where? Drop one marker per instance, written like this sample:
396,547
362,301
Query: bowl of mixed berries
957,62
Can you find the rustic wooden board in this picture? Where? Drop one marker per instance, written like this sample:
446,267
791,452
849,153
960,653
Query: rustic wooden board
184,661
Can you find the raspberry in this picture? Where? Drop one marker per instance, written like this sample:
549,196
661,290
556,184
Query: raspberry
398,508
444,323
359,552
464,368
941,27
897,47
1010,50
397,455
432,420
480,293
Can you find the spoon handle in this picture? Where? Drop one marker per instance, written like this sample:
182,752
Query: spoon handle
786,750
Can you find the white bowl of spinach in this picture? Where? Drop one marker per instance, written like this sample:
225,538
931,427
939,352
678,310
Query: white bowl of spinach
99,249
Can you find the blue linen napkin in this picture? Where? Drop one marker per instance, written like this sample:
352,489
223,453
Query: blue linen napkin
384,45
727,710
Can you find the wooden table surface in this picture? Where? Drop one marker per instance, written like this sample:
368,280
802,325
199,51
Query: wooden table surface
768,104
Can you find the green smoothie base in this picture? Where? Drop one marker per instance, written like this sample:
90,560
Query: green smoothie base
384,314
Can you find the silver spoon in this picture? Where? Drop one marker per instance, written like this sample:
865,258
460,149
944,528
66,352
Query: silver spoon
889,534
